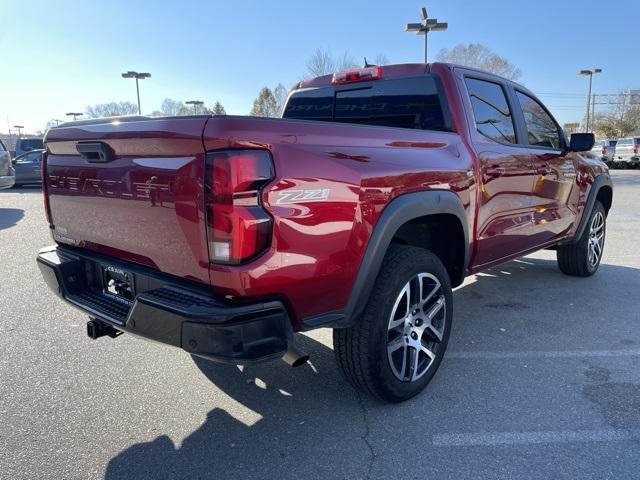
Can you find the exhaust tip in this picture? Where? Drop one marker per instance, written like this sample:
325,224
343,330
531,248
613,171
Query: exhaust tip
294,357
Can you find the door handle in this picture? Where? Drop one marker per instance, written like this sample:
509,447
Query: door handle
95,152
495,171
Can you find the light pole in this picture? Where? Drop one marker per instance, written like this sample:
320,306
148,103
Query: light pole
137,76
590,73
424,27
57,121
19,127
74,114
196,104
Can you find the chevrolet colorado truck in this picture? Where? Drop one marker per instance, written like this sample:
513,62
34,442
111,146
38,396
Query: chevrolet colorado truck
378,191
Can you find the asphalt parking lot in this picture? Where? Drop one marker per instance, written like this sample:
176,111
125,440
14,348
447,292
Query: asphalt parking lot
541,380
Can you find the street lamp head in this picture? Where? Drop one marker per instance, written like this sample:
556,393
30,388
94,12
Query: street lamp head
194,102
18,126
413,27
439,27
423,13
590,72
137,75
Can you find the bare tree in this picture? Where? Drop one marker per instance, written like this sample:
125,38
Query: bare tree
323,62
482,57
265,105
111,109
171,107
620,118
184,110
381,59
280,96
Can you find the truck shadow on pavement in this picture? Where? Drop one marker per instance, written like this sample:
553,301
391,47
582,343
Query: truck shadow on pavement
9,217
311,424
297,434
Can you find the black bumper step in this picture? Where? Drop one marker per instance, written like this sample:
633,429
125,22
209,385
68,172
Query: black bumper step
170,313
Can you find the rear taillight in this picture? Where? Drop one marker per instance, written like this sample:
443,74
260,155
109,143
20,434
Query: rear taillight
635,149
604,150
43,179
357,75
238,228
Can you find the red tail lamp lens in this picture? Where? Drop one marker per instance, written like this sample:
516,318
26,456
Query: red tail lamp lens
239,229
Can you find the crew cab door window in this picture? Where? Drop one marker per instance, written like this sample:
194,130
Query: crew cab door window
542,130
491,110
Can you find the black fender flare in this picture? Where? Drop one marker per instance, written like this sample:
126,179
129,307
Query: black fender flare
602,180
398,212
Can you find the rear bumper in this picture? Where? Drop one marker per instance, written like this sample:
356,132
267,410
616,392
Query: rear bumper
169,310
7,181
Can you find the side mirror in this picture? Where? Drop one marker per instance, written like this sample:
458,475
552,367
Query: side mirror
581,142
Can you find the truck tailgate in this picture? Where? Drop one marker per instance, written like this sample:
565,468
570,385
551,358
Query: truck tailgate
145,204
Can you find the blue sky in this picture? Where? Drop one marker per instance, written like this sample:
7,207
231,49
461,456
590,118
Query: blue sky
61,56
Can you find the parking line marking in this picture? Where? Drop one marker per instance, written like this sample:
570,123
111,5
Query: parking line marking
547,354
527,438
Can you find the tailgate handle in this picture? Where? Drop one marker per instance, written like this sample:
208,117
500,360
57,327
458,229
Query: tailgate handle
95,152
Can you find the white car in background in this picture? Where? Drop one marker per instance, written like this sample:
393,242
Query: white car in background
605,150
7,174
628,152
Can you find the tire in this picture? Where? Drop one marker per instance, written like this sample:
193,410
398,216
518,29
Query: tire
374,354
582,258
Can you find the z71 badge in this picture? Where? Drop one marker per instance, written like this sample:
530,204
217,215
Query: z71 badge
303,196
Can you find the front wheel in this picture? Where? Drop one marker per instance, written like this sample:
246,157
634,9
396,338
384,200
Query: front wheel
394,350
582,258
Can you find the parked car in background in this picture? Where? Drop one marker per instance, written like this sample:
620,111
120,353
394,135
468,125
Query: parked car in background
7,177
605,150
27,167
24,145
628,152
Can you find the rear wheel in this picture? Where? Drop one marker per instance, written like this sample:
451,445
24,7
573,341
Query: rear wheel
394,350
582,258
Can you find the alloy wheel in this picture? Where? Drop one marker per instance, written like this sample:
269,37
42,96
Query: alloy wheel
416,327
595,244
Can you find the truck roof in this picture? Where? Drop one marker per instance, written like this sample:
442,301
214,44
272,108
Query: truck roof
396,70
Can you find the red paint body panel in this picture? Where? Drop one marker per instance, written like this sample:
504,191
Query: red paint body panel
147,205
318,245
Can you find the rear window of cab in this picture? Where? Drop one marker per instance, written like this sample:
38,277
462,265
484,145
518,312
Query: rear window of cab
410,102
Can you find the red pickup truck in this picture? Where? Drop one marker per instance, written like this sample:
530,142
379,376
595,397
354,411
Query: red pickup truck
378,191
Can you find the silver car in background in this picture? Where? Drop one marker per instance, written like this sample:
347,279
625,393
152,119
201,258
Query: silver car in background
7,174
628,152
605,150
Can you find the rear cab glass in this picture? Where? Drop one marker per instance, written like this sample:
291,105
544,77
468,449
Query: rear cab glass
406,102
27,144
